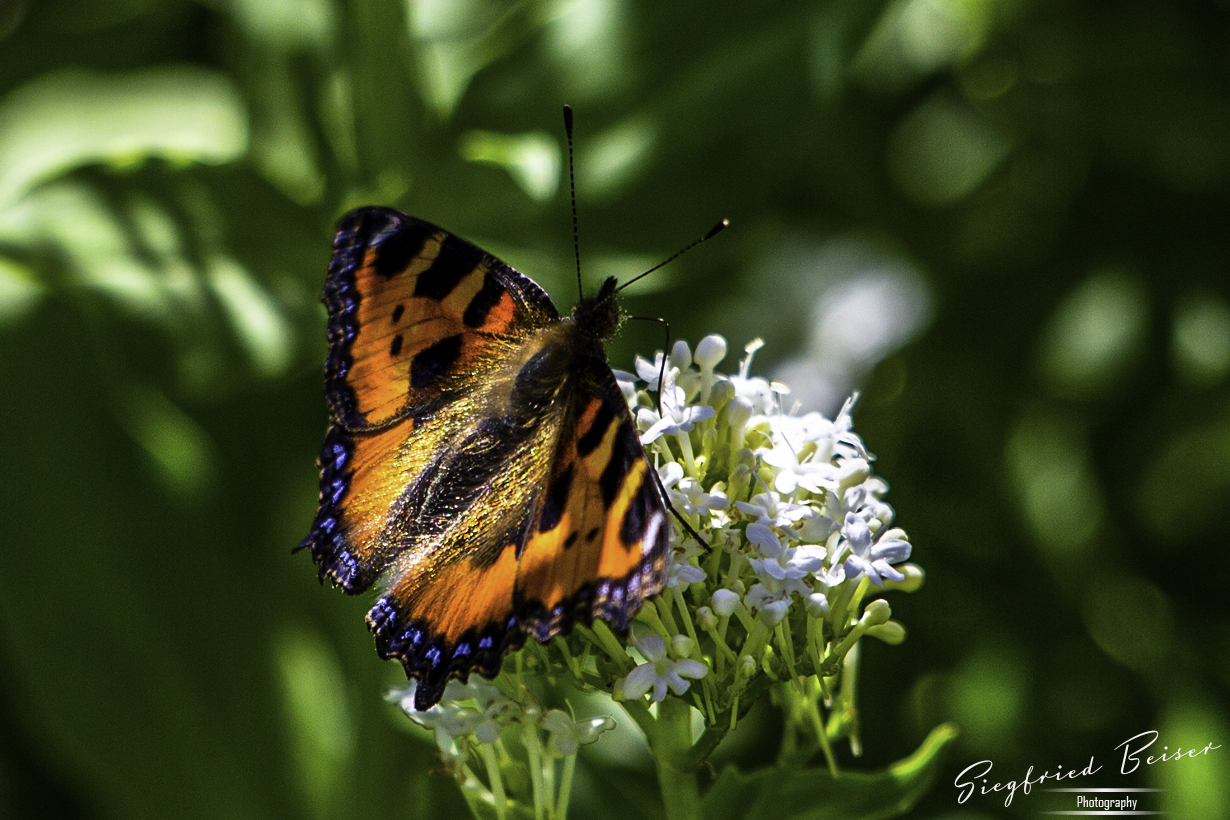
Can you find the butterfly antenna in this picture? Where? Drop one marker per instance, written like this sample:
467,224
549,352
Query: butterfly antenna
714,231
683,522
572,185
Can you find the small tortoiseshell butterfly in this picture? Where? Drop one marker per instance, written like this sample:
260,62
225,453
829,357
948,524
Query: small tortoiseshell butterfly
482,465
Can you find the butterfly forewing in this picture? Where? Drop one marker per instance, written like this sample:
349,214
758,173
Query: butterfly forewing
482,463
414,313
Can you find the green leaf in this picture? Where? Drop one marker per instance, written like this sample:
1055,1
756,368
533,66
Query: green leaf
814,794
69,118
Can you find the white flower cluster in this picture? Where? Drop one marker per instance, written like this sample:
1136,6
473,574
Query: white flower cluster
476,712
780,534
477,720
790,513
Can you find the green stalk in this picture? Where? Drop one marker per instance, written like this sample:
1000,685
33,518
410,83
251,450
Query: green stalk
689,459
671,744
498,798
534,752
565,787
602,637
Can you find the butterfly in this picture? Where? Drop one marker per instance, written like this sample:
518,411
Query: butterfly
482,467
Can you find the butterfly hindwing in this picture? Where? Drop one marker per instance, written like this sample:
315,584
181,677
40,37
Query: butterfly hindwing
483,466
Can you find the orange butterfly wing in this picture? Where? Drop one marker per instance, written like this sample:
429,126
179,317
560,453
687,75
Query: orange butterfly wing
483,465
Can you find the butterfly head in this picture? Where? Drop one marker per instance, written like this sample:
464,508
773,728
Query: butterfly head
599,315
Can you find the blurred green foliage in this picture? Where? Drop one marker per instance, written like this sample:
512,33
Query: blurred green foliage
1004,220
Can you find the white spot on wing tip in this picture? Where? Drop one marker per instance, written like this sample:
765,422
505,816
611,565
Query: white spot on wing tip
651,533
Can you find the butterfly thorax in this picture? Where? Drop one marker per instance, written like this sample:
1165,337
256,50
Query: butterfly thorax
554,362
598,316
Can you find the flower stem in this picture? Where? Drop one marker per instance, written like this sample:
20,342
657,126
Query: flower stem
534,752
602,637
671,744
498,798
565,787
689,458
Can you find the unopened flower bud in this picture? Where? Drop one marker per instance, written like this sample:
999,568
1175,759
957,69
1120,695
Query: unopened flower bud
914,577
817,605
891,633
725,602
877,612
774,613
487,731
705,618
722,393
710,351
740,480
854,471
739,412
681,356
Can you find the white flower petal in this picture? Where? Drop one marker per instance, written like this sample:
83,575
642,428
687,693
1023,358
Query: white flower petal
639,681
659,689
761,536
670,473
677,684
690,668
652,646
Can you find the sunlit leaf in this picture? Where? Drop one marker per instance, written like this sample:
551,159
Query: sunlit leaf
316,706
532,159
19,291
257,320
71,118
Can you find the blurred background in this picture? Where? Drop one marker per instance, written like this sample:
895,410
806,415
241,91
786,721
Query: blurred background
1004,221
